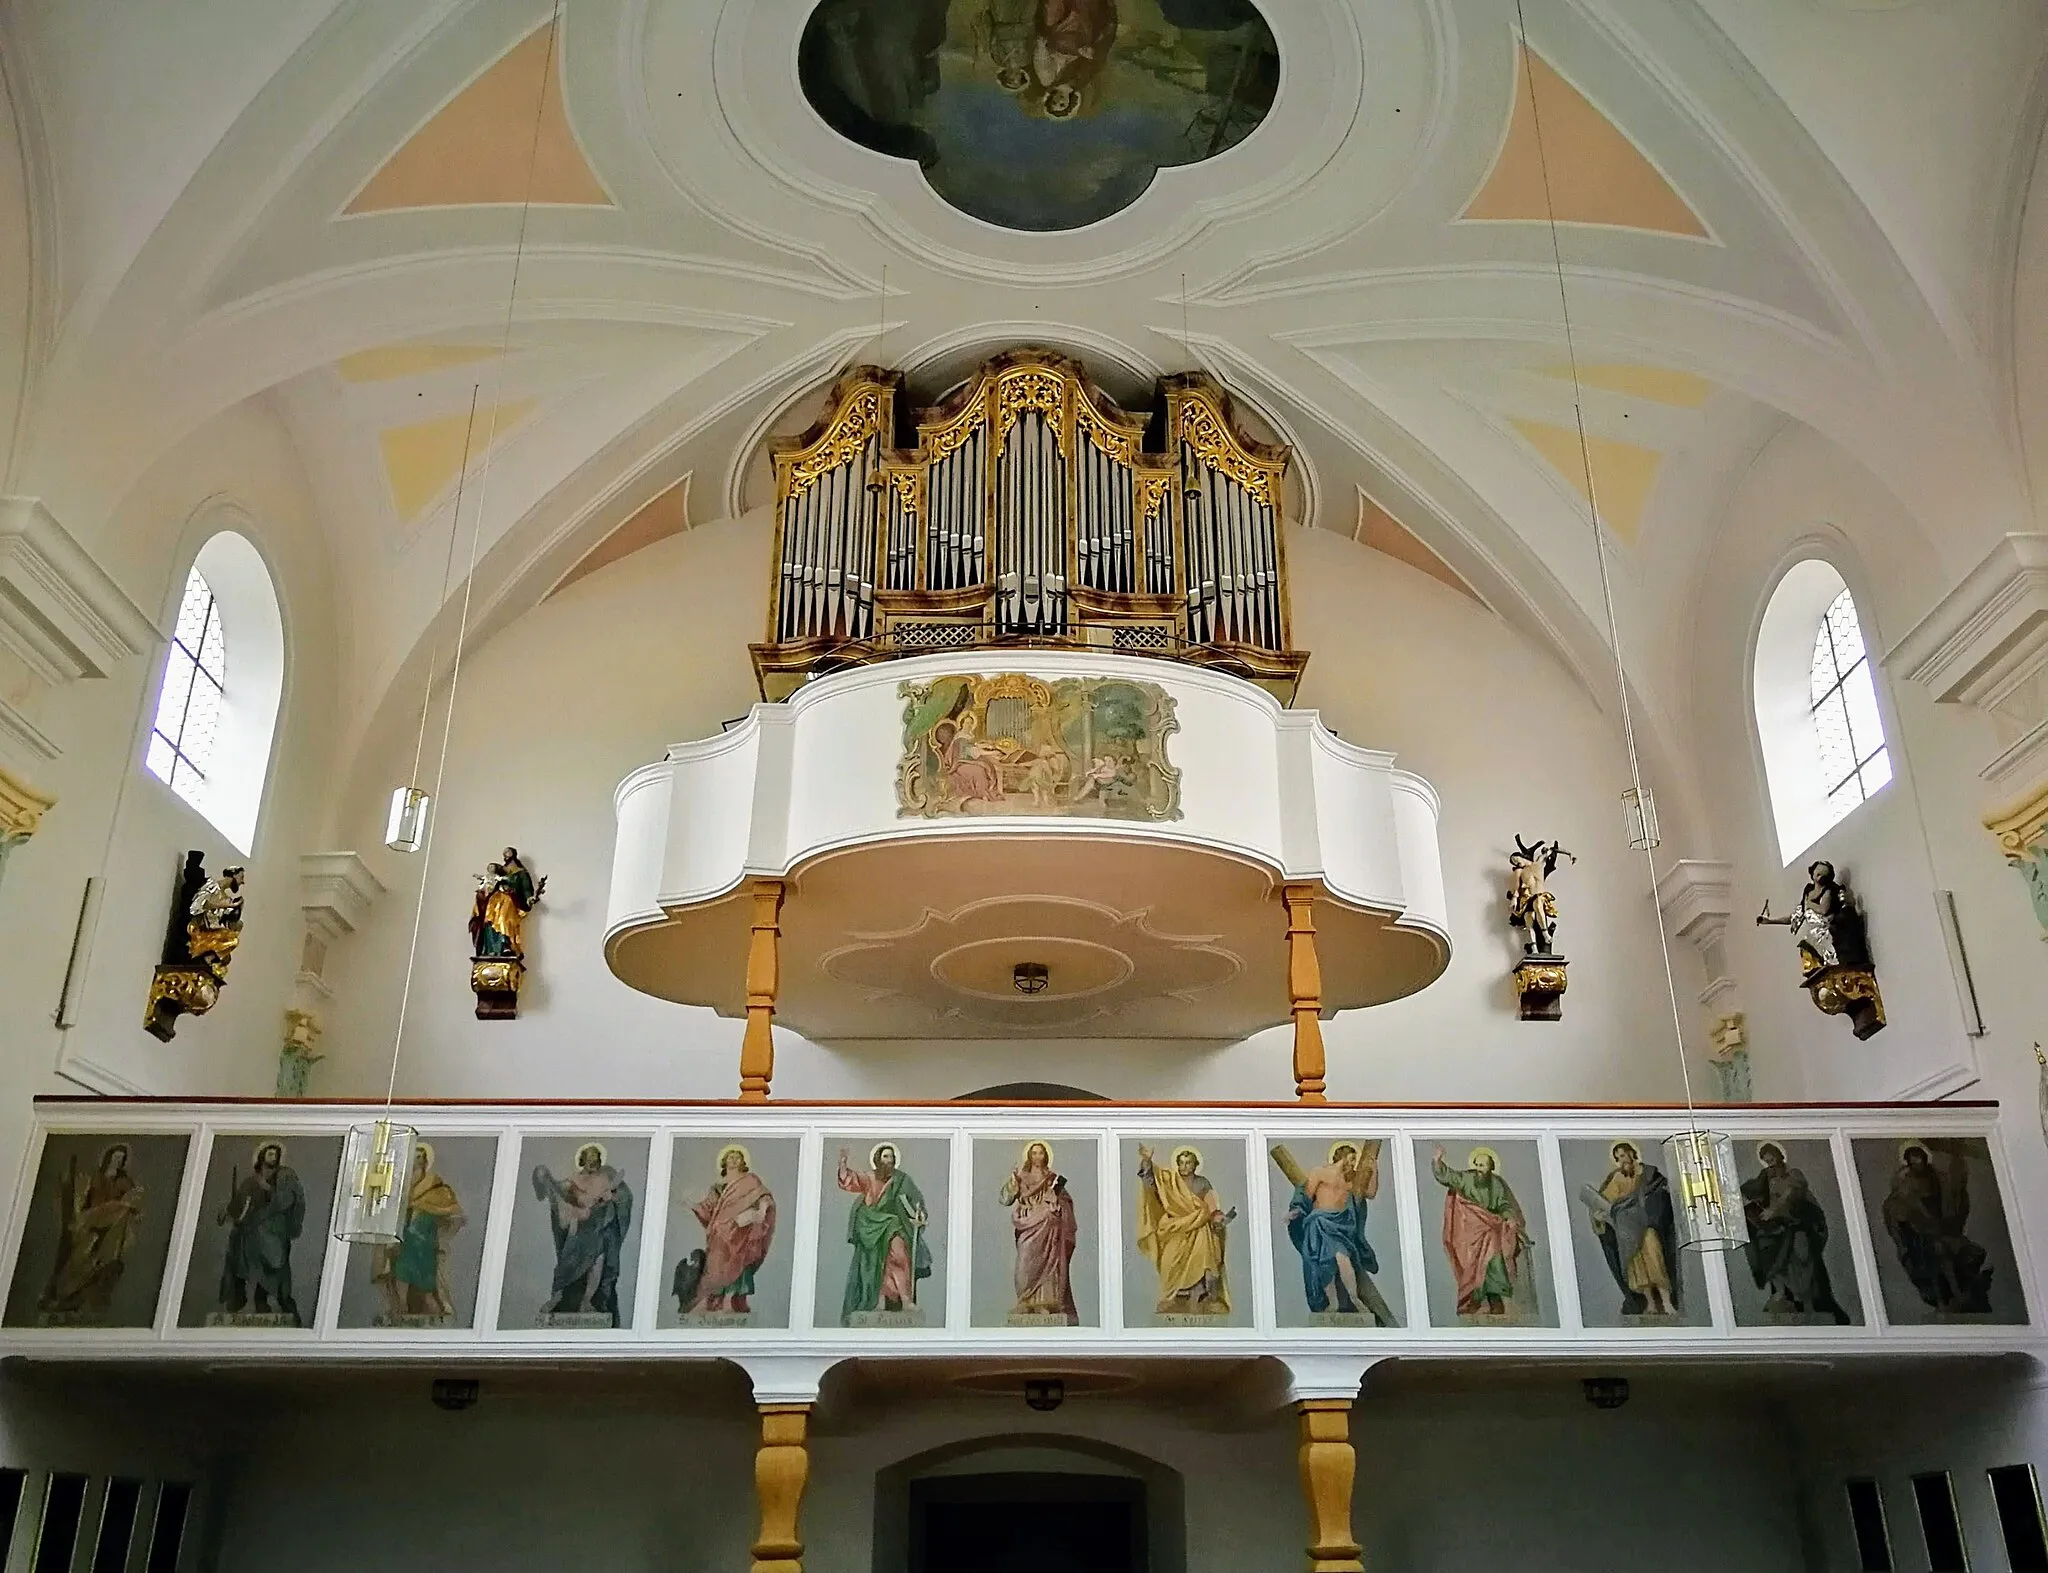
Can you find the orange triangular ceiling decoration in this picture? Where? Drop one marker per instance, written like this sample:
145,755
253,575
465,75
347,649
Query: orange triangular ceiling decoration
1623,473
479,146
655,520
1384,533
1597,175
422,460
391,361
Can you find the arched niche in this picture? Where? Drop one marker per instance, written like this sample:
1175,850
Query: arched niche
1058,1467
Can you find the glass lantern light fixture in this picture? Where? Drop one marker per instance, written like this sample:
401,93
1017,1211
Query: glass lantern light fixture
405,828
376,1176
1709,1190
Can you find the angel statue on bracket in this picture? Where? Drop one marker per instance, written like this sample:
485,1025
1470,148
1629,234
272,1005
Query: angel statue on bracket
1540,974
506,893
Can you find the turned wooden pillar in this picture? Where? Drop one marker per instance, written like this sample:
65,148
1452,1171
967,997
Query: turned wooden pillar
1327,1467
781,1468
757,1048
1305,990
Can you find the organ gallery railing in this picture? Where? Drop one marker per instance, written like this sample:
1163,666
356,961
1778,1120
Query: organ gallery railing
1030,511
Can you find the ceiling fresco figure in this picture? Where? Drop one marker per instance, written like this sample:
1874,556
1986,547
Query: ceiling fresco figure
1040,114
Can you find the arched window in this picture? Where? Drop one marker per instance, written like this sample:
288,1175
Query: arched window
188,705
1816,706
216,709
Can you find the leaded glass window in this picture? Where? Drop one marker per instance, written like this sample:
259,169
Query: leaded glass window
1854,762
188,708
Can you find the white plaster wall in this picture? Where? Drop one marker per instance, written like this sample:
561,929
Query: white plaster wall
1916,1424
113,820
556,710
662,1484
1921,834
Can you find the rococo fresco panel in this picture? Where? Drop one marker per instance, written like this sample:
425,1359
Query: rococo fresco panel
1040,114
1081,747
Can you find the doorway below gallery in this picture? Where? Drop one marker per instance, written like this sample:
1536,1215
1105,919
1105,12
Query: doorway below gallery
1027,1523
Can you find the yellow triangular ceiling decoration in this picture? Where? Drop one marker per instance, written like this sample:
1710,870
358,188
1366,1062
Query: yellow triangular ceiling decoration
1597,175
480,145
421,461
1658,384
390,361
655,520
1384,533
1622,472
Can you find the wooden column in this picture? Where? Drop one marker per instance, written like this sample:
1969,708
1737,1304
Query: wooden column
1327,1467
781,1468
1305,990
757,1048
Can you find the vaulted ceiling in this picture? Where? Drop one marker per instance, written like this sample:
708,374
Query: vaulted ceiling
1770,211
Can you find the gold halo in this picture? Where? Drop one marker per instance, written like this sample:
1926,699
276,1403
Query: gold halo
424,1150
1776,1147
1193,1152
1614,1147
875,1152
1337,1147
1911,1142
1472,1158
603,1157
269,1141
728,1150
1036,1141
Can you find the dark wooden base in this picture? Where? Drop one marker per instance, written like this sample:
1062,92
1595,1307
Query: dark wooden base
1539,986
495,981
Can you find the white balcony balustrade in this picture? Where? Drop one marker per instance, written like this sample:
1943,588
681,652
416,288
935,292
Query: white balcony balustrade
937,822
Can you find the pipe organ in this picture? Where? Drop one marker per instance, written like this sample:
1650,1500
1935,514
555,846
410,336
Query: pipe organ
1030,510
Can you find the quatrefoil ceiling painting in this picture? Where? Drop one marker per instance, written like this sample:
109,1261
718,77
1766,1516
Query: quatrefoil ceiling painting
1040,114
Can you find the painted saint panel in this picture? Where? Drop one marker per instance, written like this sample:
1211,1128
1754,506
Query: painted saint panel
1187,1257
1035,1221
728,1241
1078,748
573,1259
428,1280
98,1231
1040,114
1625,1241
1336,1236
1484,1243
261,1240
882,1240
1938,1226
1797,1269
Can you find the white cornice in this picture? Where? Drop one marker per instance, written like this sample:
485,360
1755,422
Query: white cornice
336,890
23,744
60,611
1987,635
1696,898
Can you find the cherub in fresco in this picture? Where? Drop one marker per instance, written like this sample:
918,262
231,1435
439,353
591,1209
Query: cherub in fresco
1095,781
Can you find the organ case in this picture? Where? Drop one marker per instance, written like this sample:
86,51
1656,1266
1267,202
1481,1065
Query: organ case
1031,511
